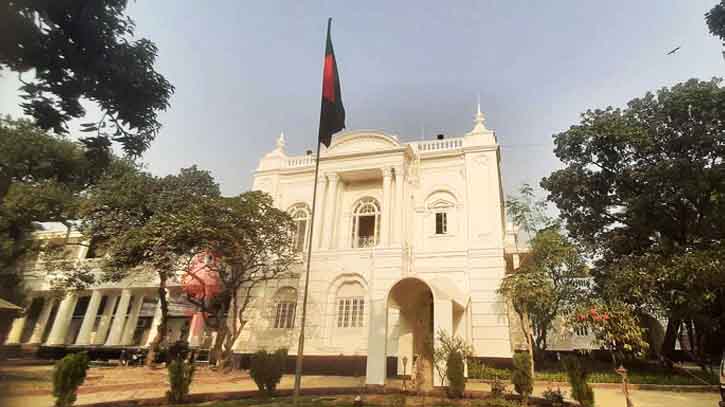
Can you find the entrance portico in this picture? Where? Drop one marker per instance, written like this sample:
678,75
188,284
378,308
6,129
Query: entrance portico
425,308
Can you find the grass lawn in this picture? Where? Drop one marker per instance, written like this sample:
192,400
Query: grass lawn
603,373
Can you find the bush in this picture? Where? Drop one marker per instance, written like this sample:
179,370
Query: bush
180,375
454,373
69,374
267,369
578,375
521,376
556,397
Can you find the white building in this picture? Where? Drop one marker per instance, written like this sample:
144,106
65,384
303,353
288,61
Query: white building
409,239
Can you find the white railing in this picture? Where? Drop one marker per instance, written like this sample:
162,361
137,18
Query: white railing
439,145
303,161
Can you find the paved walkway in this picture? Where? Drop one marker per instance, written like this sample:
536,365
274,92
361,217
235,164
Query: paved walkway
30,387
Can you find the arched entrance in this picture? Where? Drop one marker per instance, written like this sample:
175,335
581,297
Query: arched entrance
413,299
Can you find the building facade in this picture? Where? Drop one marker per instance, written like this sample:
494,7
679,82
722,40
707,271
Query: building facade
410,240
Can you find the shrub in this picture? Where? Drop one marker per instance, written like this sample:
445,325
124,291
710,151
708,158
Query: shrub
578,375
180,375
556,397
69,374
454,373
521,376
267,369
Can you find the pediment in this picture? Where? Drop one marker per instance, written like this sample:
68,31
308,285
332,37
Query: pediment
359,142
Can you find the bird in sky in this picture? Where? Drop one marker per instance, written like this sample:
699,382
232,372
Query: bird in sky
673,51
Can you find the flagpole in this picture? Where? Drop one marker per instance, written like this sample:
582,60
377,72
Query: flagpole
301,343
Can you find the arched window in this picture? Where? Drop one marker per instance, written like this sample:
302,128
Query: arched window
285,305
301,216
366,223
350,305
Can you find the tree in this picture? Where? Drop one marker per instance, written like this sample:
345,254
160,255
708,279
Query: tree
247,241
715,19
642,190
42,179
546,285
615,326
147,225
85,49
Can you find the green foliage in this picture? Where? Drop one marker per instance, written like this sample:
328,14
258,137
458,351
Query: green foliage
603,373
68,375
578,375
521,377
715,19
42,179
446,345
545,284
181,373
556,397
85,51
455,375
642,189
267,369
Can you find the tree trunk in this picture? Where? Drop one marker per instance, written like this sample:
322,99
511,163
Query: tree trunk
4,186
526,329
668,345
160,337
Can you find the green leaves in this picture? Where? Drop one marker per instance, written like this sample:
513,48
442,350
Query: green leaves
85,50
642,190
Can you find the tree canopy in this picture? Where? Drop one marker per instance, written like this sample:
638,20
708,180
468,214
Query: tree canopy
642,189
85,50
42,179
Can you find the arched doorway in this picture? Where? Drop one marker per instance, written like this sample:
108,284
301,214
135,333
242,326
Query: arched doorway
413,299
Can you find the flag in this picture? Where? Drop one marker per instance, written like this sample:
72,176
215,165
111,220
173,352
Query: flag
332,113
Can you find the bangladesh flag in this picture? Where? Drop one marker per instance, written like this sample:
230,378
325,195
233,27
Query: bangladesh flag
332,113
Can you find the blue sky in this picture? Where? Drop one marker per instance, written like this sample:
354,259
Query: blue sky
244,71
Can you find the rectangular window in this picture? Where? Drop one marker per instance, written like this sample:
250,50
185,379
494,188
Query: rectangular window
441,223
350,312
582,331
301,234
285,316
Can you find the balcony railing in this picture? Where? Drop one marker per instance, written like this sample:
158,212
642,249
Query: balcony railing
294,162
366,241
439,145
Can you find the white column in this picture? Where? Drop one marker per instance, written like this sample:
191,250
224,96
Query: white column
89,319
105,321
62,320
330,205
132,320
39,329
399,213
377,343
16,330
442,320
319,213
119,319
154,324
385,222
196,329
